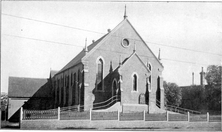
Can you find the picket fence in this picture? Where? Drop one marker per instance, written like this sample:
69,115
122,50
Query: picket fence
72,114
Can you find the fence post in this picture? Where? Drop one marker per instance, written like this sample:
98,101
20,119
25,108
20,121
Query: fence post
188,116
21,113
144,115
90,114
58,113
167,115
208,117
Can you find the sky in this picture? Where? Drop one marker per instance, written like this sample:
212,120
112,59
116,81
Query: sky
162,25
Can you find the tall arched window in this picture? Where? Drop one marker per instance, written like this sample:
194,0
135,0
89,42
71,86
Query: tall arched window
79,86
99,76
74,89
134,82
150,81
58,93
158,92
149,66
114,87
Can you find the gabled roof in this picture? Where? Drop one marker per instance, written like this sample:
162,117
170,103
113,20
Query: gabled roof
145,44
77,59
111,33
127,60
95,45
24,87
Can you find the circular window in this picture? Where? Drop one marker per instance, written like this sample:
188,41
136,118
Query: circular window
125,42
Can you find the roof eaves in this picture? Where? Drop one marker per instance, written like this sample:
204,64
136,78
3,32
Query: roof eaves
145,43
79,60
134,53
142,62
104,39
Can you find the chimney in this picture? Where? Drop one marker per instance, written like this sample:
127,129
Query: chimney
202,75
93,41
108,30
192,78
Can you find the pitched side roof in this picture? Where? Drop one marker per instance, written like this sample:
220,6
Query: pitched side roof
77,58
24,87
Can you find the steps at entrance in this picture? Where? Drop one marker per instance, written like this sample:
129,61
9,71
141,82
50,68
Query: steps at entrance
114,107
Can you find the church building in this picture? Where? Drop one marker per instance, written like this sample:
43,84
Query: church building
118,71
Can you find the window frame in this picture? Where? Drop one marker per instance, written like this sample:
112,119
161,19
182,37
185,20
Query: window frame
125,46
150,83
149,66
114,80
137,84
103,65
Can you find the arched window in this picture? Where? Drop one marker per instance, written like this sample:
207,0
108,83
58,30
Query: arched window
149,66
78,86
71,79
158,92
99,75
114,87
58,93
67,91
74,89
150,81
134,82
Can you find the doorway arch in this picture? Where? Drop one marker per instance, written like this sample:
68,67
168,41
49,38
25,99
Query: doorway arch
114,88
158,92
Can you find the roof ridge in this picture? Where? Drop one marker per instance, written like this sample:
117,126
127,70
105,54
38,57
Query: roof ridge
26,77
106,36
145,43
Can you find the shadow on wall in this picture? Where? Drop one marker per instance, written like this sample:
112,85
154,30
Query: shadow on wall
106,88
43,99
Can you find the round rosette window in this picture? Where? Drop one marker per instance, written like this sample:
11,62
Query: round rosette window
125,42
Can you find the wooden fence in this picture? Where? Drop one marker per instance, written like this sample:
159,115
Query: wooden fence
40,114
72,114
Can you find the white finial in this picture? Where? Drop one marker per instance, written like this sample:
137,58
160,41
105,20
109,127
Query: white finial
159,55
125,16
86,49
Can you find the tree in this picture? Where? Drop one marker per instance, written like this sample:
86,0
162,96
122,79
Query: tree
4,104
4,100
172,93
213,75
193,97
213,89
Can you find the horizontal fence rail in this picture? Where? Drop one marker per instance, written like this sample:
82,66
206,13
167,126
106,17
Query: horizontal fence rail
180,110
106,104
61,114
196,118
131,116
67,115
156,117
105,115
178,117
40,114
